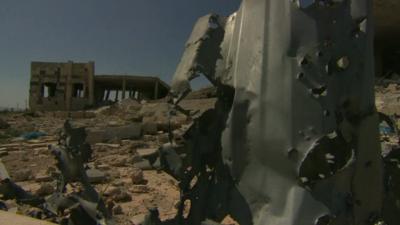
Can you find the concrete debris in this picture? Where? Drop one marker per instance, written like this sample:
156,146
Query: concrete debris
138,219
139,189
118,194
4,124
97,135
45,190
23,175
137,177
117,210
96,176
41,177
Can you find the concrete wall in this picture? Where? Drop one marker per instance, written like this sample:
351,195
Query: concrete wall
54,86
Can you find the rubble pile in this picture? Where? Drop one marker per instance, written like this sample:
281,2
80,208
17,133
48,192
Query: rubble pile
115,169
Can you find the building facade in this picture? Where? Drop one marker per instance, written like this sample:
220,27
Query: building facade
73,86
61,86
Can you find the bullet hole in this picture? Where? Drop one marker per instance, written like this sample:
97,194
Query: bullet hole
362,25
326,157
324,220
300,76
305,61
293,154
328,69
320,91
319,54
343,63
332,135
326,113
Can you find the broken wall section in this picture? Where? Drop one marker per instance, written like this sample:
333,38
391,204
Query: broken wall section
61,86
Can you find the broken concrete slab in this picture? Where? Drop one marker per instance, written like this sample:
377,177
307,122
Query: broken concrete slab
149,128
23,175
145,152
43,177
4,124
138,219
96,176
100,135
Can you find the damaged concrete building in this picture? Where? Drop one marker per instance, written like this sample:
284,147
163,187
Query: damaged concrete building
74,86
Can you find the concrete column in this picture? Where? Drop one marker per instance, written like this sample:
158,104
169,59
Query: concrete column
123,87
91,82
68,86
116,95
107,95
156,90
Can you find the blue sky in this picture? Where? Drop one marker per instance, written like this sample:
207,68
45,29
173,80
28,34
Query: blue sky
143,37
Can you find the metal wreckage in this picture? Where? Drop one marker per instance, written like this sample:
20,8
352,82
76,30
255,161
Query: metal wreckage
82,207
293,138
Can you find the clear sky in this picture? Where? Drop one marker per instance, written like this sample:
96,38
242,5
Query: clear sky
143,37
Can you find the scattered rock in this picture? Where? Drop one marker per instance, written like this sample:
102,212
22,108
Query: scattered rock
43,177
23,175
118,183
4,124
138,219
143,152
103,167
117,210
139,189
11,204
163,139
118,161
112,190
45,189
143,165
96,176
149,138
123,196
149,128
106,134
137,176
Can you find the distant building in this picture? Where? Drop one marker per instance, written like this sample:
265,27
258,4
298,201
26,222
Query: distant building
74,86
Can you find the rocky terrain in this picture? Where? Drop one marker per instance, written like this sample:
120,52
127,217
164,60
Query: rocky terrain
121,135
